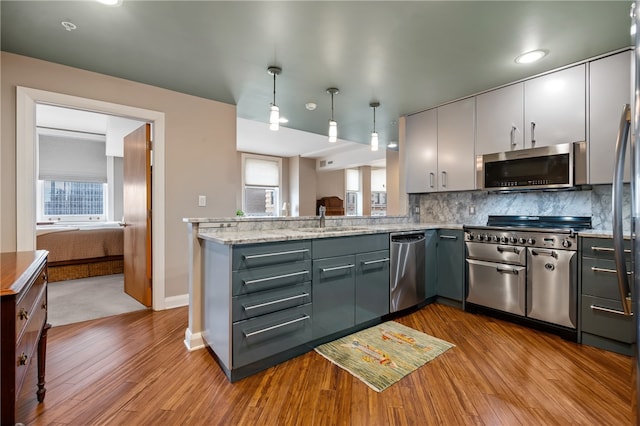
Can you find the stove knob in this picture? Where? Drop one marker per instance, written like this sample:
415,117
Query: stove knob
494,238
522,240
531,241
513,240
504,239
470,236
566,244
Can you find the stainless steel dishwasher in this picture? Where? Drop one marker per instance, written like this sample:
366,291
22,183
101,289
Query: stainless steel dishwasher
407,284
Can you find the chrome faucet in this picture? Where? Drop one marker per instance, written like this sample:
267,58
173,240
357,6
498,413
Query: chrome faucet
322,210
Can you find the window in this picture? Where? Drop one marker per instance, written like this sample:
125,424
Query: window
378,192
261,185
353,204
81,200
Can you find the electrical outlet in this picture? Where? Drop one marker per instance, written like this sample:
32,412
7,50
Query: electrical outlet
416,209
202,200
472,209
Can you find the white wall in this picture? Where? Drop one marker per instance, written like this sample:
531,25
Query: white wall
330,183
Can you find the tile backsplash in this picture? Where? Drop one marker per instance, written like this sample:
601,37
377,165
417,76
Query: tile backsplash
456,207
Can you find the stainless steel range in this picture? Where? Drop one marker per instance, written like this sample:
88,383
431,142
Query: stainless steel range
525,267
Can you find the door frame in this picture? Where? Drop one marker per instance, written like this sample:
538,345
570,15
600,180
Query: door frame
26,100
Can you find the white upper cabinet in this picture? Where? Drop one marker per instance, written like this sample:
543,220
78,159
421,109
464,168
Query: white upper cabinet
421,151
555,108
456,140
610,90
500,120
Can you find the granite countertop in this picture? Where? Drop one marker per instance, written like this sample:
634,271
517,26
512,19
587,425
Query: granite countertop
232,236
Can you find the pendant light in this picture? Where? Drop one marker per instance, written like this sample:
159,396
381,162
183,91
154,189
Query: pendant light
274,114
374,134
333,126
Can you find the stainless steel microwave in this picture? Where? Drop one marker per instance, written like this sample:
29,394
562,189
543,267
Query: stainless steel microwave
555,167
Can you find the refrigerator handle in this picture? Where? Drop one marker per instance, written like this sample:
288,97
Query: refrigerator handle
618,240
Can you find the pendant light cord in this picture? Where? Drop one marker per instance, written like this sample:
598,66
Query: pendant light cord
274,88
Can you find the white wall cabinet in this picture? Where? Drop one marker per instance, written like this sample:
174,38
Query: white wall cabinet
456,140
421,150
440,148
500,120
555,108
610,90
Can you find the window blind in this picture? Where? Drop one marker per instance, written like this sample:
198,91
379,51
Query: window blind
353,180
261,172
71,159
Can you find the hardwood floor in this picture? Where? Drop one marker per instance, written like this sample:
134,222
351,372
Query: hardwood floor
134,369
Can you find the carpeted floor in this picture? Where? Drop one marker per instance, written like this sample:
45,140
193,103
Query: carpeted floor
88,298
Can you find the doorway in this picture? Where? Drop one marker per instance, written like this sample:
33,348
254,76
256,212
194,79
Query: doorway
27,99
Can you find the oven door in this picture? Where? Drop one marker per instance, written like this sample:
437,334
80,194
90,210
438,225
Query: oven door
498,286
552,287
497,253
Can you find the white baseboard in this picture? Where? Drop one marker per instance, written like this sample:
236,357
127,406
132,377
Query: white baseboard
176,301
193,341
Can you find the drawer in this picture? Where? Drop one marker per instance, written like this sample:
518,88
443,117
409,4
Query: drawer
599,278
261,337
341,246
26,346
27,302
270,254
270,277
596,319
602,248
266,302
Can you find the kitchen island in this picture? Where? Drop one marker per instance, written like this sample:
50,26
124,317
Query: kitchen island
263,291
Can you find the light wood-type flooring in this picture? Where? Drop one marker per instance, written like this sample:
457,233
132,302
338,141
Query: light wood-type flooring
134,369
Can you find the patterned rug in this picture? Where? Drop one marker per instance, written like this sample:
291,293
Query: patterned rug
384,354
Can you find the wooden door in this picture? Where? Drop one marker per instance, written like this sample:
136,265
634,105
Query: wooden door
137,214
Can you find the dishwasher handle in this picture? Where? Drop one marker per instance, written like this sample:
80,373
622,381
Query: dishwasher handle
407,238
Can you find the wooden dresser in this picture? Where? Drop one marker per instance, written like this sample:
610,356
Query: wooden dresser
23,329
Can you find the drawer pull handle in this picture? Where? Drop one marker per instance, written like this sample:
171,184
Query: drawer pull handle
607,249
273,302
337,268
44,305
22,359
276,277
501,249
610,271
373,262
608,310
273,327
538,252
448,237
507,271
23,315
280,253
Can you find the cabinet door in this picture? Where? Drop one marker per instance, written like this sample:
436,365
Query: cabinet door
499,120
333,295
421,152
610,89
372,285
555,104
430,263
456,134
450,264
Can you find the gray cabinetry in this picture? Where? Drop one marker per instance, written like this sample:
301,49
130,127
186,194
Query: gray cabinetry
257,301
341,281
422,152
431,263
451,267
609,90
500,120
603,323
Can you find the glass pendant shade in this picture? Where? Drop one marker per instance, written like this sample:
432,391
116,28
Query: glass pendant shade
374,141
274,118
333,131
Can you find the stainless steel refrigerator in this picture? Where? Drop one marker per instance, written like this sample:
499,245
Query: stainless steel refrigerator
629,284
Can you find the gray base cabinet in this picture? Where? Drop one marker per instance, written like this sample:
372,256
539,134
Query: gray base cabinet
450,263
350,282
602,322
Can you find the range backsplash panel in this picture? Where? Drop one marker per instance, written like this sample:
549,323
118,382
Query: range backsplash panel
454,207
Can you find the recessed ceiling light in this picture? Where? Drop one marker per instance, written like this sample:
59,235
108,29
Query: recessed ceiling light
110,2
392,144
310,106
69,26
283,120
529,57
